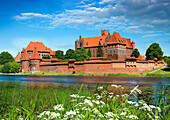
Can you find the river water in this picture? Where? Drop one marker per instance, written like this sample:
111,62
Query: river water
150,86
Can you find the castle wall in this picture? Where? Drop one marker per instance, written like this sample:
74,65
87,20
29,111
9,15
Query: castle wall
100,67
128,52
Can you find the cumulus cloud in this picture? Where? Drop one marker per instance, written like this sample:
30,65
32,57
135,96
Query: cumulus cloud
125,15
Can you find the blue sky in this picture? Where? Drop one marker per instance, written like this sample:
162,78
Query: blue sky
58,23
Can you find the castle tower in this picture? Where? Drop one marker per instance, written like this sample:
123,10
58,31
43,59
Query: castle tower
35,61
104,33
25,62
133,45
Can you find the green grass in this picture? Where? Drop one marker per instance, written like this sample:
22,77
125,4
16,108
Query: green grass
163,71
28,100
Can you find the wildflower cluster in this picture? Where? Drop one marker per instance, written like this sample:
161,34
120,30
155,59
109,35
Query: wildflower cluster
104,105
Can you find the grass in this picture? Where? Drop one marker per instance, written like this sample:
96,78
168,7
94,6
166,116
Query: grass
31,101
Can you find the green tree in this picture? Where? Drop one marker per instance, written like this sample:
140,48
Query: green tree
11,67
135,53
5,57
1,66
89,53
59,54
81,55
154,51
46,57
70,54
166,58
168,62
100,51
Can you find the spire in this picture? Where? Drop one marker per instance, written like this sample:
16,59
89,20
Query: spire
25,56
35,54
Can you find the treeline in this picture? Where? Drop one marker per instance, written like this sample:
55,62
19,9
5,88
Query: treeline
7,63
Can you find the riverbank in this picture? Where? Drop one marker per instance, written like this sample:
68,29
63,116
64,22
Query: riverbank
157,74
34,101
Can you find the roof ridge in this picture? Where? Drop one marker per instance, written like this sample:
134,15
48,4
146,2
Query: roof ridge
35,54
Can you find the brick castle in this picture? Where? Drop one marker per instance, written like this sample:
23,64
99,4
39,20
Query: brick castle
114,46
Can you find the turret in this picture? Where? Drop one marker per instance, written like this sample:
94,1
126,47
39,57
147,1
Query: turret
133,45
35,61
25,62
104,33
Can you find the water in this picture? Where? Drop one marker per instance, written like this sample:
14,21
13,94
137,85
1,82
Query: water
151,86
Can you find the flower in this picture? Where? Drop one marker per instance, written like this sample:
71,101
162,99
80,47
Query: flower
123,113
86,101
55,115
59,107
132,116
100,88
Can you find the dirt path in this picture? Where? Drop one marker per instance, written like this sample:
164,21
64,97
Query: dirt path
156,70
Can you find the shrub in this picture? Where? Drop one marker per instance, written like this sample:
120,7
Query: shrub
11,67
74,71
46,57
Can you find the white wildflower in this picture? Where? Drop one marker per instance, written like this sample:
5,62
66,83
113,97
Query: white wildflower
86,101
55,115
97,102
116,86
132,116
75,96
123,113
156,117
100,88
117,95
130,102
59,107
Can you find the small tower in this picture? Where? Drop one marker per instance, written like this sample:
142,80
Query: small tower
35,61
133,45
25,62
104,33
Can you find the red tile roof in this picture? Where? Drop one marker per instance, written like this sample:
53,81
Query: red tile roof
116,38
131,58
22,50
35,54
46,60
25,56
40,47
142,57
94,41
17,58
72,60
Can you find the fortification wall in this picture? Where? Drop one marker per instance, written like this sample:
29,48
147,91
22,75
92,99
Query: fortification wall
99,67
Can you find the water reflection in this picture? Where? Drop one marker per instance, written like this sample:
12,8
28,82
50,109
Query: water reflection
149,94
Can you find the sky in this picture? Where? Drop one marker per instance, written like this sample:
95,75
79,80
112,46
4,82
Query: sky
58,23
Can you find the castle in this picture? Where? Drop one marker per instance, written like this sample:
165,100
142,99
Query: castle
114,46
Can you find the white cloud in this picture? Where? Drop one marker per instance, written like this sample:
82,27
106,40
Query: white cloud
130,16
159,21
151,35
25,16
106,1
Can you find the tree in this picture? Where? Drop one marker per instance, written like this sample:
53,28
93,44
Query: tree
46,57
135,53
81,55
11,67
89,53
70,54
59,54
100,51
5,57
154,51
168,62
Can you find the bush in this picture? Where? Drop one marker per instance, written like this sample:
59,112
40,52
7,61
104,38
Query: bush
11,67
168,62
46,57
63,60
74,71
1,66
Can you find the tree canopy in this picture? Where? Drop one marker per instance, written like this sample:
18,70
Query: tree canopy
59,54
100,51
46,57
11,67
70,54
81,55
135,53
89,53
5,57
154,51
